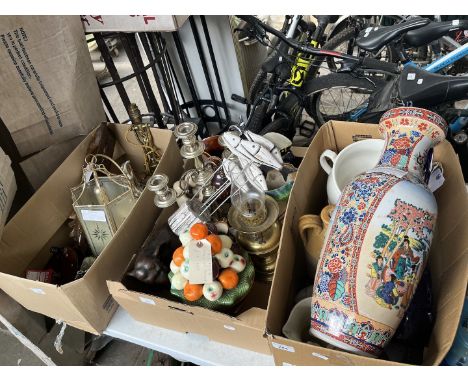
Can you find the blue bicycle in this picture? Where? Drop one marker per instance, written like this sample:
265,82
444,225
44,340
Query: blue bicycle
364,96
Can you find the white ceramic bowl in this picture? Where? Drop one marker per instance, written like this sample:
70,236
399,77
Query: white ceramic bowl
350,162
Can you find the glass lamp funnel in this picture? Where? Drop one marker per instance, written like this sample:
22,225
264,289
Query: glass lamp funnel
254,215
101,205
249,200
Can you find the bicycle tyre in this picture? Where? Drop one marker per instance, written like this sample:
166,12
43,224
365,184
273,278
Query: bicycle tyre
314,90
256,86
346,34
280,125
257,119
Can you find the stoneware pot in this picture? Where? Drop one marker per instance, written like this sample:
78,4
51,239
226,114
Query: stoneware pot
350,162
378,240
312,229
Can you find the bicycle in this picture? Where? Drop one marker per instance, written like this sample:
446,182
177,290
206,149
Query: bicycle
326,88
277,103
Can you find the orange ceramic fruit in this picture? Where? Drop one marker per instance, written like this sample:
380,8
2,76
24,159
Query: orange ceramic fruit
192,292
216,243
178,256
228,278
199,231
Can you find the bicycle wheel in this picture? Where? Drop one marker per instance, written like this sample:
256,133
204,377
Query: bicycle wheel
281,125
338,96
257,120
345,42
258,85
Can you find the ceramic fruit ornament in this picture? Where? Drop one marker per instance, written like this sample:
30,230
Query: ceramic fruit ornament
238,263
225,257
229,278
199,231
378,240
216,243
178,256
212,291
178,281
193,292
232,274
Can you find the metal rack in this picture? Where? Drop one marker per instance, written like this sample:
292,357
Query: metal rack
173,107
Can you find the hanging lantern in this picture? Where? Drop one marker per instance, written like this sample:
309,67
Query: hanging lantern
102,203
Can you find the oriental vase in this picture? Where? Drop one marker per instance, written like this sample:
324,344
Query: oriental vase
378,239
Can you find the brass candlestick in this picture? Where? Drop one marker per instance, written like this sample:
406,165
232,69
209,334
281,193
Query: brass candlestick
143,135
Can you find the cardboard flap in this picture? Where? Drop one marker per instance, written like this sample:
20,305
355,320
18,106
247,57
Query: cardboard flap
254,317
304,354
38,220
37,296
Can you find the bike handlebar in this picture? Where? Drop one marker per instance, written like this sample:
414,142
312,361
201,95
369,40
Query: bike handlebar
367,62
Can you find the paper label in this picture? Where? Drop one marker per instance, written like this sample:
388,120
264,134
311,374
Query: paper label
436,179
38,290
420,81
455,22
283,347
201,268
411,76
318,355
147,301
88,173
93,216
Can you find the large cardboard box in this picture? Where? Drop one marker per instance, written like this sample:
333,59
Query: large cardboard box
41,223
245,328
448,260
49,92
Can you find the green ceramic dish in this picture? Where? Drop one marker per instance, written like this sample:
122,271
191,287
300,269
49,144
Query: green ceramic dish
281,193
229,298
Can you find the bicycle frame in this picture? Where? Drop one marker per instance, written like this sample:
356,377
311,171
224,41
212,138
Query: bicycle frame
434,67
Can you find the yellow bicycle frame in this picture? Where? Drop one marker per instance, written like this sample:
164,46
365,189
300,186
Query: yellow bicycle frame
300,68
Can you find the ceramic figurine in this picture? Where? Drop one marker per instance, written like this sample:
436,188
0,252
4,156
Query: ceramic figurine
312,229
153,257
261,140
212,291
252,151
238,263
379,238
178,281
225,257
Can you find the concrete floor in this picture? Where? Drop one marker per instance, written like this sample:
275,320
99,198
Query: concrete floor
75,352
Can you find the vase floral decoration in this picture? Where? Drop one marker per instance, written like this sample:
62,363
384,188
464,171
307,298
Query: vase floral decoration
378,239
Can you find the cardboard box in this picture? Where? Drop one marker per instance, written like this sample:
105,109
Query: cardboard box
85,303
49,92
133,23
39,167
245,329
448,260
7,188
